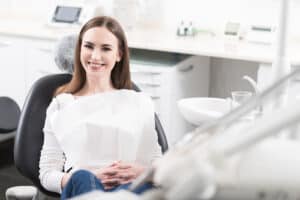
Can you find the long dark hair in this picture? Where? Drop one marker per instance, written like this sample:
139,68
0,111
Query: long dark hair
120,74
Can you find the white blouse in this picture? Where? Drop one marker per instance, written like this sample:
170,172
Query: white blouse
93,131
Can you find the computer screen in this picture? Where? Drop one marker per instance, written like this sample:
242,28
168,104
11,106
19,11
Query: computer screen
66,14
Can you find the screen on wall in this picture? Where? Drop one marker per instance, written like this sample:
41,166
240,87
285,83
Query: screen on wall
66,14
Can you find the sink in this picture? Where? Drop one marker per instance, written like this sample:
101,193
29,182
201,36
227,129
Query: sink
202,109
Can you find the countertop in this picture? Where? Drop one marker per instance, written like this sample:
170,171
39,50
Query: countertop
157,39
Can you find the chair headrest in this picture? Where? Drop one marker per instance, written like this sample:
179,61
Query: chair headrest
64,53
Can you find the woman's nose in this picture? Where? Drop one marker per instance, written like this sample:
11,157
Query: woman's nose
96,54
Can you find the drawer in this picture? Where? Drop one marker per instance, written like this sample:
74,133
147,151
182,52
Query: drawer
153,90
146,77
157,105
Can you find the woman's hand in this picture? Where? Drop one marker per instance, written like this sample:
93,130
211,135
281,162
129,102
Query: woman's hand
65,179
118,173
127,172
107,177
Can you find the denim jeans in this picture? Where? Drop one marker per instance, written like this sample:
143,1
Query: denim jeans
83,181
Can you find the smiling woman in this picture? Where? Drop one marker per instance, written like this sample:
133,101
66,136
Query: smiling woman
99,53
106,138
101,41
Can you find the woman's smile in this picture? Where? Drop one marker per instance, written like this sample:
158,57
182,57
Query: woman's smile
94,66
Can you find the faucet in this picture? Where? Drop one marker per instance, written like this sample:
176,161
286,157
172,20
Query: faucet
253,83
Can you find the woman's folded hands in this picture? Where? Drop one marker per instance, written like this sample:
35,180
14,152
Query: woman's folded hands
118,173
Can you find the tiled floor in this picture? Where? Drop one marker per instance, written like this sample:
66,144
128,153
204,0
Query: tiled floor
9,175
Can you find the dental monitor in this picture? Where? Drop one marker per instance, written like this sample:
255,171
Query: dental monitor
66,14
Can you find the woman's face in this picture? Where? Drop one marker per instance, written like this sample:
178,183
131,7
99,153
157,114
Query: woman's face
99,52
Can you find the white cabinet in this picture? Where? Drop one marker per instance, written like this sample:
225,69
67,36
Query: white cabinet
168,77
149,79
39,60
12,69
24,60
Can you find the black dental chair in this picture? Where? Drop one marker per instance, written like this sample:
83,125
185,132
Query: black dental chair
29,137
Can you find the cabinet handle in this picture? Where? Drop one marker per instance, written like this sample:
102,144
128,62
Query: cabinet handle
44,72
4,44
155,97
148,84
154,73
145,72
45,50
187,69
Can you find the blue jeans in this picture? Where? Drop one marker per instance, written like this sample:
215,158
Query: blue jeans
83,181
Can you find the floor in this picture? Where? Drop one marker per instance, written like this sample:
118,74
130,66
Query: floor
9,175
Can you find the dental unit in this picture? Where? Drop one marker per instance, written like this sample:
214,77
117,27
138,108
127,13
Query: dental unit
230,159
223,160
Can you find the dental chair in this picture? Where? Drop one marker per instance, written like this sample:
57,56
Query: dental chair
29,137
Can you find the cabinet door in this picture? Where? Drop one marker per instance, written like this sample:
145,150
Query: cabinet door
12,70
39,61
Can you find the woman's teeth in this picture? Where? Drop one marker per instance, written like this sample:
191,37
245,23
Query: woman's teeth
96,64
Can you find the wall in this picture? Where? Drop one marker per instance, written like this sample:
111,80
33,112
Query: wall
206,14
212,14
226,76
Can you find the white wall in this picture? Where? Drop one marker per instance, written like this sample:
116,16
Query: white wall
226,76
215,13
211,14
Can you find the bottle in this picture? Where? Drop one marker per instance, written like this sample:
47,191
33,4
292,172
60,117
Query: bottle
190,29
181,29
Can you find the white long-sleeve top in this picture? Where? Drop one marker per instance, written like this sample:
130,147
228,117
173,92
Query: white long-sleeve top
93,131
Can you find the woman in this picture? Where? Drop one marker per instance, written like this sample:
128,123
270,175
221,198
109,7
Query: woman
98,133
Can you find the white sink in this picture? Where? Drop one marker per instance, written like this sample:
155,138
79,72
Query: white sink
202,109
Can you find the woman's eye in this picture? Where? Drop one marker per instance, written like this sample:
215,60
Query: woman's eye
106,49
88,46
